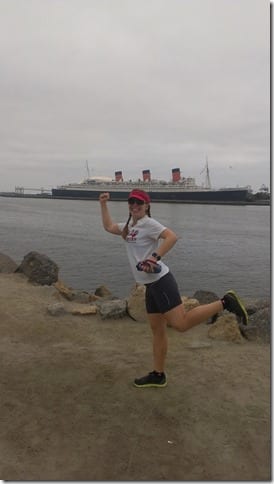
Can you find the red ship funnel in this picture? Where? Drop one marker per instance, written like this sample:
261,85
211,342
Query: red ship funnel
118,176
146,175
176,174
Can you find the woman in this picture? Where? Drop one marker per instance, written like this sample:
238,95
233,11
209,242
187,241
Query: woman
142,235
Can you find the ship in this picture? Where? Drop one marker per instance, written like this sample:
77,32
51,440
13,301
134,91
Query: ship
179,189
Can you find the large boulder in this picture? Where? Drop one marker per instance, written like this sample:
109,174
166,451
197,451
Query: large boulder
39,268
254,305
114,309
136,304
7,265
259,326
226,328
189,303
205,297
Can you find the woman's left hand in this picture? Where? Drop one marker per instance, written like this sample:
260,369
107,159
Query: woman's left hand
149,265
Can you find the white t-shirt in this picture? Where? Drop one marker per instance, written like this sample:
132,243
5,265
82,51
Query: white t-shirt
142,240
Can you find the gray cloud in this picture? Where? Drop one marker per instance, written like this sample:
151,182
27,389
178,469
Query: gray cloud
133,85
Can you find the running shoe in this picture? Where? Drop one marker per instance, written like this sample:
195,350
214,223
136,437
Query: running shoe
153,379
233,304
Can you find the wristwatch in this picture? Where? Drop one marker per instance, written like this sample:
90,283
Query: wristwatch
154,254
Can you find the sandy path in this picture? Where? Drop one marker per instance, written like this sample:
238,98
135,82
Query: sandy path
69,410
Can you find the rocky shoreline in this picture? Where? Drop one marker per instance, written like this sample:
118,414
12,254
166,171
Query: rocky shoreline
70,411
41,270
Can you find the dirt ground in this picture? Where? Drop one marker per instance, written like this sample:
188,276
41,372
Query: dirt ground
69,410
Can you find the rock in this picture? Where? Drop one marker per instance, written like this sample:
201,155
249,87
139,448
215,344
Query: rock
226,328
83,309
259,326
81,297
7,265
190,303
56,309
72,295
39,268
67,292
136,304
112,309
254,305
103,291
205,297
93,298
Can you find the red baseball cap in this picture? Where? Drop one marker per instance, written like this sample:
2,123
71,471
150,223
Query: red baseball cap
140,194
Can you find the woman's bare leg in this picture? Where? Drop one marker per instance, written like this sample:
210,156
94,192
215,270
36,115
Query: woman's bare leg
181,320
159,335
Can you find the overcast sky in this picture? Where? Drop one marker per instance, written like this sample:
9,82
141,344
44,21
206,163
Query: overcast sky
131,85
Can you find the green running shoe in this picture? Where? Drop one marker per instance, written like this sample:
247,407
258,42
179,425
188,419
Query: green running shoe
233,304
153,379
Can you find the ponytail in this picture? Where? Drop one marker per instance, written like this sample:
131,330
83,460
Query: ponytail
125,229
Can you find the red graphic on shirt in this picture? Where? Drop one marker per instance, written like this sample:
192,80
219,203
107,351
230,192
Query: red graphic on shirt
132,235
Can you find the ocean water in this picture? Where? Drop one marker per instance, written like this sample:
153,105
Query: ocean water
219,247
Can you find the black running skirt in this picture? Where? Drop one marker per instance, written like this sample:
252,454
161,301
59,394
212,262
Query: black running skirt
162,295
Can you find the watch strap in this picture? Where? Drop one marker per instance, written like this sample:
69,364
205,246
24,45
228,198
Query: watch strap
154,254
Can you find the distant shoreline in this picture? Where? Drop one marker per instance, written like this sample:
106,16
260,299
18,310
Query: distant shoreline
49,196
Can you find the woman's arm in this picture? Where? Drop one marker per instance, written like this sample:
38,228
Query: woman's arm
108,224
169,240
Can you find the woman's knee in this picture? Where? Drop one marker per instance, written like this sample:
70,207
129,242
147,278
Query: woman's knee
176,318
178,325
157,323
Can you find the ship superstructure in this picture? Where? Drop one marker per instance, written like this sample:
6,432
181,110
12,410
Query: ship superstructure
178,189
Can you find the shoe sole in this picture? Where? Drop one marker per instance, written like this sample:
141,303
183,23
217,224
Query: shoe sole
233,293
151,385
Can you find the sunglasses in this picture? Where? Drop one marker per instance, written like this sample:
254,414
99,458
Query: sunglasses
133,200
